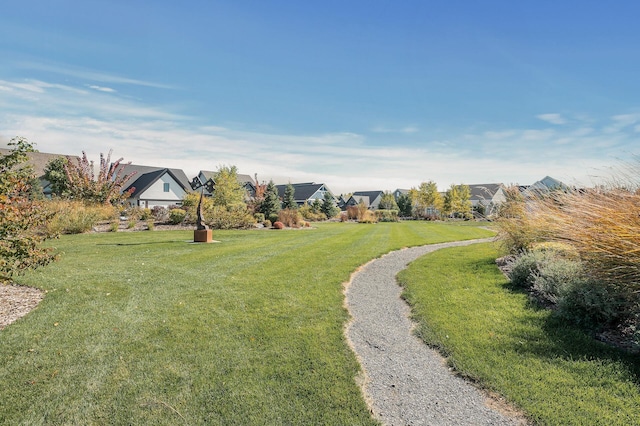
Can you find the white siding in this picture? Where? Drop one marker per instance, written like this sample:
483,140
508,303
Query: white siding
155,195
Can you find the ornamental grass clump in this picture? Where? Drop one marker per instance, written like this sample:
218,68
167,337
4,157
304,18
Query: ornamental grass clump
290,218
518,224
77,217
602,227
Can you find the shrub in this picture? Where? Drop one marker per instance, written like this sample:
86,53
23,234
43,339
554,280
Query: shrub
290,217
590,304
177,216
311,214
555,275
525,268
151,225
114,225
273,217
278,225
259,217
367,216
352,212
266,224
386,215
76,217
159,213
237,217
344,217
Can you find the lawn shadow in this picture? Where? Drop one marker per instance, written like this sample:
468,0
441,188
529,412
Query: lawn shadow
551,337
142,244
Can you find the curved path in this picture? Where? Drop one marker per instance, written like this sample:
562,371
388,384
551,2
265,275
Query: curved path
406,382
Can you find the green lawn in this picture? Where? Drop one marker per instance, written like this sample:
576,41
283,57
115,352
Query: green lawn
144,328
555,373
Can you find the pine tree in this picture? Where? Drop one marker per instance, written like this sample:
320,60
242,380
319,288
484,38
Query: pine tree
289,200
271,204
329,207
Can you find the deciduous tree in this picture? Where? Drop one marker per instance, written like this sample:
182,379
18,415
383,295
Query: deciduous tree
457,201
427,201
388,202
103,189
22,218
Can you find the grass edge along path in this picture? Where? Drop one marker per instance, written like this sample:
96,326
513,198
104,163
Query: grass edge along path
490,333
146,328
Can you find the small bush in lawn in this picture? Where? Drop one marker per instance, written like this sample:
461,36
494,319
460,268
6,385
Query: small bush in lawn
590,304
76,217
367,216
386,215
307,225
555,276
232,217
526,267
177,216
278,225
310,213
273,217
290,217
352,212
266,224
259,217
159,213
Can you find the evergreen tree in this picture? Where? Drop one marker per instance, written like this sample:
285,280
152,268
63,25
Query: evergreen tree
329,207
289,201
404,205
316,206
271,203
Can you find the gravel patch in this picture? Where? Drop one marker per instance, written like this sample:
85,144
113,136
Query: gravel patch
17,301
405,382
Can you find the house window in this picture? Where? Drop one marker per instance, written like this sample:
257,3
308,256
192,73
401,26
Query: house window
166,187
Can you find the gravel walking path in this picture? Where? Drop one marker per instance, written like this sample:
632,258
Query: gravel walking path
406,382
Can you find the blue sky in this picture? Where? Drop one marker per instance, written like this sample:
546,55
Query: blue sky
360,95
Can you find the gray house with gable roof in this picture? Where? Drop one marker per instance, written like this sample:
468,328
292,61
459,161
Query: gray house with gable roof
154,186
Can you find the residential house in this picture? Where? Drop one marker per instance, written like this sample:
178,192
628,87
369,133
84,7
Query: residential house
398,192
487,197
246,181
306,192
38,161
544,185
371,199
154,186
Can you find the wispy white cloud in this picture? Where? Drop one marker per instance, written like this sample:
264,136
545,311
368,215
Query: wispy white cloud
102,89
90,75
552,118
406,129
67,120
